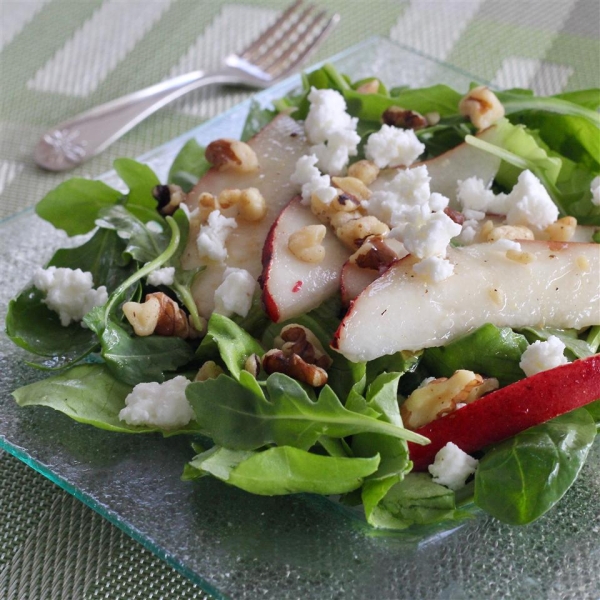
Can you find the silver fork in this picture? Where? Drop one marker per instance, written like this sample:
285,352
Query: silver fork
278,52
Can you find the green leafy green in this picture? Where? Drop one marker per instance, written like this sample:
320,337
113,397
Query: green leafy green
489,350
520,479
227,340
238,415
285,470
575,347
140,180
75,204
257,118
189,165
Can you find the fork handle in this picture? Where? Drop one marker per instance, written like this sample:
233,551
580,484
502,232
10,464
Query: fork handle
72,142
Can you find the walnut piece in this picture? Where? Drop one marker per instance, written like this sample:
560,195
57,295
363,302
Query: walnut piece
374,254
406,119
159,315
365,170
482,107
305,244
209,370
169,198
441,396
226,154
299,354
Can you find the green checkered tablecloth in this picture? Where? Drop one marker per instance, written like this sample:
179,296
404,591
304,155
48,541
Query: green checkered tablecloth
59,57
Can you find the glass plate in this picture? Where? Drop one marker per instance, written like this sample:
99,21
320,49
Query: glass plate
235,545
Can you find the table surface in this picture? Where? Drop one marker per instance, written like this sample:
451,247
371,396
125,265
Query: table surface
59,57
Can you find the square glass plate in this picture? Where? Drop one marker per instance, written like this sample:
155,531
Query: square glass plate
235,545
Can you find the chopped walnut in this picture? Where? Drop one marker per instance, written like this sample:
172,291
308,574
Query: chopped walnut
276,361
519,256
209,370
227,154
252,364
562,230
355,231
353,187
441,396
365,170
207,203
482,107
159,315
374,254
169,198
510,232
406,119
299,354
300,340
305,244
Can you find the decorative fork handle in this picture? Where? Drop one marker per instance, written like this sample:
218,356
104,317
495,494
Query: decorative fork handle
74,141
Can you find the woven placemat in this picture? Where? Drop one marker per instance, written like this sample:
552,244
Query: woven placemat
59,57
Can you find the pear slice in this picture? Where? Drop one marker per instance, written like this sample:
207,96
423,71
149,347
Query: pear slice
278,146
559,287
454,165
354,280
292,287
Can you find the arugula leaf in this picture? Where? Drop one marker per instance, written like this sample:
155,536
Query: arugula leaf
239,416
520,479
88,394
75,204
143,244
227,340
33,326
134,359
258,117
285,470
489,350
189,166
140,180
575,347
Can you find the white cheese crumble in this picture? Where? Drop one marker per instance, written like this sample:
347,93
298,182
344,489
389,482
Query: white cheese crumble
530,203
595,189
327,114
331,131
213,235
69,292
408,188
503,245
452,467
161,405
473,195
334,155
309,177
426,234
393,147
541,356
235,294
164,276
434,268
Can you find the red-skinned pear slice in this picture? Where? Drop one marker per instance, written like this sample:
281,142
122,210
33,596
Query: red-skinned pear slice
455,165
553,284
278,146
292,287
509,410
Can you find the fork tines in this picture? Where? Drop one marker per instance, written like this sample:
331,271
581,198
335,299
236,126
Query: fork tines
290,39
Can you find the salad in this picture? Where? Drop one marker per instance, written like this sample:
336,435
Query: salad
391,296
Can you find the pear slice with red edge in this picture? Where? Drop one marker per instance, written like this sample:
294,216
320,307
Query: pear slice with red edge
557,284
292,287
512,409
277,146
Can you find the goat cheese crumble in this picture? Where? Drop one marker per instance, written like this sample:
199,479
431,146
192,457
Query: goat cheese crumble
213,236
393,147
331,130
541,356
164,276
452,467
234,295
307,175
69,292
161,405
